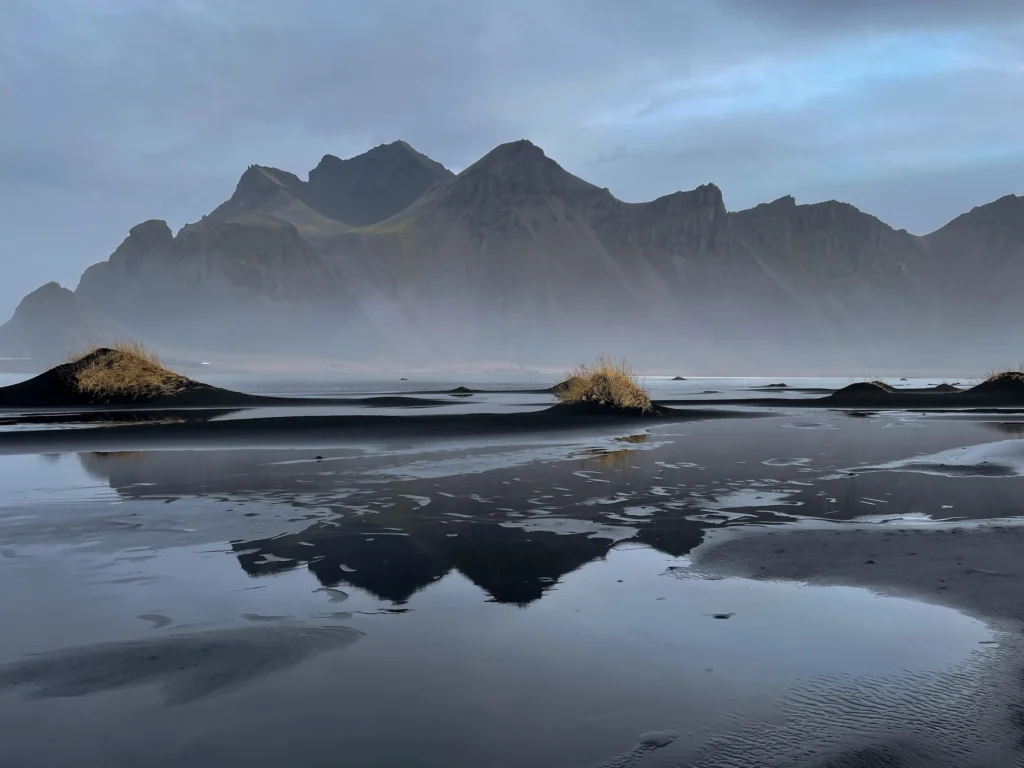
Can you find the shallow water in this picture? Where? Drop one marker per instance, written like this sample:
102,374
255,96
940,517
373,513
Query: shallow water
614,650
503,602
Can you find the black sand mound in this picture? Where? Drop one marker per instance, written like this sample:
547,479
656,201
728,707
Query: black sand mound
1000,391
115,379
864,389
1004,390
1006,384
62,387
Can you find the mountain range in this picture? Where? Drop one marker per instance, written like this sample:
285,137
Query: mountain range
389,256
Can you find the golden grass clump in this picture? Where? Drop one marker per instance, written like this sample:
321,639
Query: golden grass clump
124,368
607,382
1008,374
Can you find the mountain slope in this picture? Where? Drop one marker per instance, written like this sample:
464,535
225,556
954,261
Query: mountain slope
517,251
490,258
846,264
251,280
273,192
52,321
374,185
390,255
978,260
340,193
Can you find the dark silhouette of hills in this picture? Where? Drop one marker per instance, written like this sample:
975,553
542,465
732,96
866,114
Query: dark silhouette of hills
390,254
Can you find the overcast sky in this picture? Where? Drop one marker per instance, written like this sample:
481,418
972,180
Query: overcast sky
117,111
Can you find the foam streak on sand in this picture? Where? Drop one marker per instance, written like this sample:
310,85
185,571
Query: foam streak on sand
1004,458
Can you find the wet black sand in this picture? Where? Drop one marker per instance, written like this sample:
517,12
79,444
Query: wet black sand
522,524
187,666
976,569
346,429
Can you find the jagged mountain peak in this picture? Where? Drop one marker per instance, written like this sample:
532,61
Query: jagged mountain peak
373,186
1007,212
44,294
515,157
518,149
52,321
394,152
786,202
520,169
259,188
821,215
265,177
705,194
151,238
152,233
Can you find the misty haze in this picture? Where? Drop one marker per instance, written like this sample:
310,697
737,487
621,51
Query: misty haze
554,384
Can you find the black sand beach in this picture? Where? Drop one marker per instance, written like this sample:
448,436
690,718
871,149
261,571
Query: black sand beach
716,586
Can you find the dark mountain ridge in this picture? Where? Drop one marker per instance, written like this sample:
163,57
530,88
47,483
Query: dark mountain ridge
390,255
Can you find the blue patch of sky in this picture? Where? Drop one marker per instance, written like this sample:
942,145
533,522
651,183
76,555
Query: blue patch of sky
781,82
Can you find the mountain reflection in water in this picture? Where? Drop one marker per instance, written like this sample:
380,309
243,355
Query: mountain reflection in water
395,539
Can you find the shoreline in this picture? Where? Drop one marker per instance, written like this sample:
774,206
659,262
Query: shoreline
342,430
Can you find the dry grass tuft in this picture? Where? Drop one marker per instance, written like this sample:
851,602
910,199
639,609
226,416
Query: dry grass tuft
127,346
1008,374
607,382
125,369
